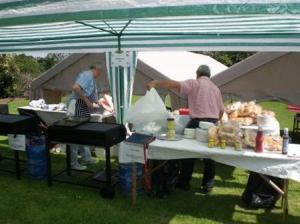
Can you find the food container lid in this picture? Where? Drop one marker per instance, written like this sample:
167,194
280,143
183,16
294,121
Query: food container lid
205,125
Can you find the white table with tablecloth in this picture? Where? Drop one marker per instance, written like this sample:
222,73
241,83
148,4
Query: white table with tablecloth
269,163
266,163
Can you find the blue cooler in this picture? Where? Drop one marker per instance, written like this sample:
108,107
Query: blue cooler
36,158
125,177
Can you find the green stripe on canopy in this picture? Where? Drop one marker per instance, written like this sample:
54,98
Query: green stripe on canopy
40,11
195,32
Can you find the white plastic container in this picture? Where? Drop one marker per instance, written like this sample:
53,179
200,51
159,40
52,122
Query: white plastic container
189,133
201,135
205,125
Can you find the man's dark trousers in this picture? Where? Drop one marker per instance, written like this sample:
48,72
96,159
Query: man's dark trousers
187,165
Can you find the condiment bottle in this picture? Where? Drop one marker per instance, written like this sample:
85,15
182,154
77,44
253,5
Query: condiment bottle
237,145
171,134
285,141
259,141
211,143
223,144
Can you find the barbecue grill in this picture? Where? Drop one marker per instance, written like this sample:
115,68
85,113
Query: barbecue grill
89,133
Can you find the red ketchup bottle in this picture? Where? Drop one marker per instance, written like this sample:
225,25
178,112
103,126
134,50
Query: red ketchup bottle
259,141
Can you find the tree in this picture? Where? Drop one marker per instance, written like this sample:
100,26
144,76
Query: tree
228,58
50,60
8,76
28,65
23,83
18,71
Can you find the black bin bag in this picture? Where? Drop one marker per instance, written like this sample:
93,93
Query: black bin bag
259,194
164,178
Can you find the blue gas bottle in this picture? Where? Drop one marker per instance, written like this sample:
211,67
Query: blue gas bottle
36,157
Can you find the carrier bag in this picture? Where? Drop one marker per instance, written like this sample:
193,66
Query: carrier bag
259,194
148,114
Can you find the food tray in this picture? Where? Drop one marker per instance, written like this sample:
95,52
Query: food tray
164,137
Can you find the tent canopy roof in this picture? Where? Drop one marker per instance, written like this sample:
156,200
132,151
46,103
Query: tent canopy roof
16,12
99,26
250,33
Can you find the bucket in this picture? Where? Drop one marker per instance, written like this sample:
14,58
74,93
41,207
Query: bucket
36,158
125,178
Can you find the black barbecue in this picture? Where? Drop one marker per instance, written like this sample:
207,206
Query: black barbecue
16,124
89,133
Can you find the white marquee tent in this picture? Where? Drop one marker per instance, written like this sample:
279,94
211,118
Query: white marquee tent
263,76
175,65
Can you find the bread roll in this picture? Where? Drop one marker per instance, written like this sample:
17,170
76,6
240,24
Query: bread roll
233,107
257,110
249,139
244,120
273,143
233,114
230,138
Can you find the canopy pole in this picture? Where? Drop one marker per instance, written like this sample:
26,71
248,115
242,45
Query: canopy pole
121,70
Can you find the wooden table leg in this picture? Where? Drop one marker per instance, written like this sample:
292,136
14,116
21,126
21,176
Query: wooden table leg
283,192
133,183
285,199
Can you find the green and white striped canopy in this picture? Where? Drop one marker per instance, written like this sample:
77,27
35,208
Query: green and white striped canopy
103,25
133,25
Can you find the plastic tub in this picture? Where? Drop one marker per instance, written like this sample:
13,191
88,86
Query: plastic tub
125,177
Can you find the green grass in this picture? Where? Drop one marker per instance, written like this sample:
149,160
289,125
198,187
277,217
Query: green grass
29,201
13,105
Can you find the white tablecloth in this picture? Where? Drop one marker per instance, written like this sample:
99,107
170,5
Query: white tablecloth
50,117
273,164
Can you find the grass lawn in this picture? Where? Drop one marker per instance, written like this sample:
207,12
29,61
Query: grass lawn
29,201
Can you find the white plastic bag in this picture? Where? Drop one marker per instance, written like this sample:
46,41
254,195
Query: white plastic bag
148,114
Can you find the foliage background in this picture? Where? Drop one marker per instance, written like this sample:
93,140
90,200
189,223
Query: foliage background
18,71
227,58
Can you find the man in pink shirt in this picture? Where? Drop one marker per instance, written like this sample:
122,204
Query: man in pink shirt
205,104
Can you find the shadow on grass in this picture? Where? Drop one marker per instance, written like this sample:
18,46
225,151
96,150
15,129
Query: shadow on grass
83,205
224,172
214,208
